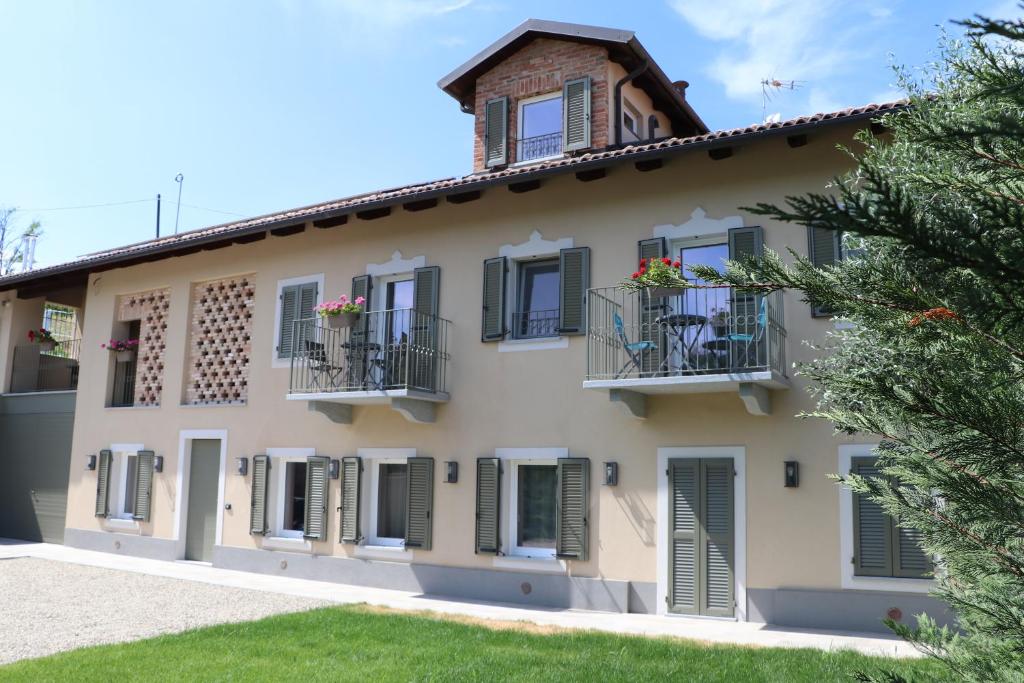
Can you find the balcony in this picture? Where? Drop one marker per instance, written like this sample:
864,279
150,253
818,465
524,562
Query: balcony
397,358
700,341
42,367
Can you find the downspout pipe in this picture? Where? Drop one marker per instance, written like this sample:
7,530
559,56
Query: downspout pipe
644,66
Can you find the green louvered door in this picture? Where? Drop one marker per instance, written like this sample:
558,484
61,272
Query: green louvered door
701,537
496,132
258,498
203,476
103,483
488,506
351,468
297,303
880,546
143,485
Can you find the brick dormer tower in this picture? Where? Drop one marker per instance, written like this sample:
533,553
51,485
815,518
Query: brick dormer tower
548,89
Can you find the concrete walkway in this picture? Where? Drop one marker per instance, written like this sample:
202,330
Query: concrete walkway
708,630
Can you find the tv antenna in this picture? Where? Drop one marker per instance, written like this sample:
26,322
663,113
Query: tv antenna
770,88
180,179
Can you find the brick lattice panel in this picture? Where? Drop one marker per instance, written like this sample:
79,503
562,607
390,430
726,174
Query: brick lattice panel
150,309
220,341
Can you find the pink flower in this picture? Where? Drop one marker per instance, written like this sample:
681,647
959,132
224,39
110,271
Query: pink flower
360,300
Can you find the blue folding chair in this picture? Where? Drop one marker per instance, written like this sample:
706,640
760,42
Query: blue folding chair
752,340
633,349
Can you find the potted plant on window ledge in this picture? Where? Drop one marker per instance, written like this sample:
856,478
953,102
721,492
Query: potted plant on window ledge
342,312
660,277
123,349
44,338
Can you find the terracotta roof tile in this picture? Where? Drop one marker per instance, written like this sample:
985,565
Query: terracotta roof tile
433,188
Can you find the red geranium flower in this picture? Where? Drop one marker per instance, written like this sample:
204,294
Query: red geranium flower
635,275
31,335
666,260
677,264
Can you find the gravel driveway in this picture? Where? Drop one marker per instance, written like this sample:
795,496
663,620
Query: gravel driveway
48,606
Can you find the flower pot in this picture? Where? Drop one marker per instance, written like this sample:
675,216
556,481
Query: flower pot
721,329
659,292
47,346
336,322
124,356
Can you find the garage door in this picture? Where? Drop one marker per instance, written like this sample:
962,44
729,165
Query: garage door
35,452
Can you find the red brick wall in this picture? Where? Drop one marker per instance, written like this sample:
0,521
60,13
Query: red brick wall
541,67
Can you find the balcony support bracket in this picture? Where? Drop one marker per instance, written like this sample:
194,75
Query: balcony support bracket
756,398
420,412
338,413
632,402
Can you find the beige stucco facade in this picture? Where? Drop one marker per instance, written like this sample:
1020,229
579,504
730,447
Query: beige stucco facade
499,399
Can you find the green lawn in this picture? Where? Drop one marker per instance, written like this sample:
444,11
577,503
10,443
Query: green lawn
352,643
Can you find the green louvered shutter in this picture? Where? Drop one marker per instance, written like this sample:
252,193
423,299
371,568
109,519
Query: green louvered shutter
316,498
103,483
744,243
297,303
495,277
649,312
488,502
351,468
425,328
684,579
576,114
496,132
419,507
143,485
872,527
716,534
824,249
258,498
574,280
572,508
910,559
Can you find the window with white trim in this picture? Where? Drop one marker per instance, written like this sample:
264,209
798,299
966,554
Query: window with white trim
288,492
123,470
533,489
540,127
388,501
537,307
632,122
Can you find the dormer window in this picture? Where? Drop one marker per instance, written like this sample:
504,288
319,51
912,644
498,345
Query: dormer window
540,127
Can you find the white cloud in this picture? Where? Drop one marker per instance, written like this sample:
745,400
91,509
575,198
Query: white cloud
812,42
395,12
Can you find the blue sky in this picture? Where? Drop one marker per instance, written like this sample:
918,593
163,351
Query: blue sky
269,104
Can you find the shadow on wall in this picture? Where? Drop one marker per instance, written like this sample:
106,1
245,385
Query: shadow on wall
638,514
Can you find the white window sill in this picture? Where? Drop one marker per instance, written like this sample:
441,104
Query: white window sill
886,583
513,345
121,525
383,552
132,408
530,564
537,160
284,543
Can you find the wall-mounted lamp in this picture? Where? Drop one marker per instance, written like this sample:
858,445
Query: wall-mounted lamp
158,463
242,466
451,472
334,469
90,462
792,472
611,474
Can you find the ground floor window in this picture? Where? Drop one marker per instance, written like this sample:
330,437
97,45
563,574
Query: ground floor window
295,498
534,487
392,483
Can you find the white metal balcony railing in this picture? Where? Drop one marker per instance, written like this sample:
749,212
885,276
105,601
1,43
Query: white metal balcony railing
701,332
400,349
